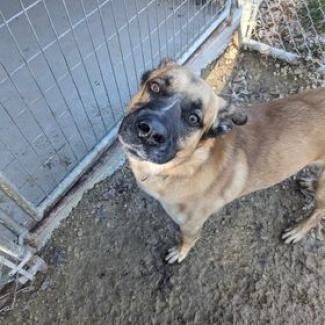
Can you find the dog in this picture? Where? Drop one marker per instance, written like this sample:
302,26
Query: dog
194,152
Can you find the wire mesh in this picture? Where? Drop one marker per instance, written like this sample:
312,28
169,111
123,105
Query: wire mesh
295,26
68,68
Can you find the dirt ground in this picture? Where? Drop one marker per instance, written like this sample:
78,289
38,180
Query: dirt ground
106,260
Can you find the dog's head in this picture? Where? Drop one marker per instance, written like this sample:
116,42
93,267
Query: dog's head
171,114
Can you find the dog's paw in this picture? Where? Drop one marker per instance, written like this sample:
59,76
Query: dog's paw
307,185
174,255
293,235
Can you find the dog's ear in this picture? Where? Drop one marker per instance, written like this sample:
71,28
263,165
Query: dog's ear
163,63
227,117
145,76
166,61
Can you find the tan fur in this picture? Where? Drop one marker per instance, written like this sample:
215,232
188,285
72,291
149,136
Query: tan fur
279,139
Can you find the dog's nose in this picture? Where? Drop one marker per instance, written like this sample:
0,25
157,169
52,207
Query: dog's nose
153,132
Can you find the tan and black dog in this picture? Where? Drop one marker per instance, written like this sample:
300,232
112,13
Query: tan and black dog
187,149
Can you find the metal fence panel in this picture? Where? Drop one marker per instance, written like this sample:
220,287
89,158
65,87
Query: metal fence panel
67,70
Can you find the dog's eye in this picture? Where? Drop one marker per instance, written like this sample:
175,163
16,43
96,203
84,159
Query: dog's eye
154,87
193,119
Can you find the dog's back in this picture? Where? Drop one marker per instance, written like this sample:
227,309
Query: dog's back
284,136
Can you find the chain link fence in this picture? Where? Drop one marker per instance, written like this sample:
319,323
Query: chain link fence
289,30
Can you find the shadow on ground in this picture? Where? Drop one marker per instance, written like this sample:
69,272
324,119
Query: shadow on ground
106,260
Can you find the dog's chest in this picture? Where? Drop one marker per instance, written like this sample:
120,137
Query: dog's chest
175,212
149,189
158,187
168,194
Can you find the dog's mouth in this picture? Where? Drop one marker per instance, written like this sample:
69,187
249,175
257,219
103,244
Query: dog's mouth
137,150
133,151
160,155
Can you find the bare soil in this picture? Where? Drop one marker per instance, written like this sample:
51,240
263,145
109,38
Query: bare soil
106,260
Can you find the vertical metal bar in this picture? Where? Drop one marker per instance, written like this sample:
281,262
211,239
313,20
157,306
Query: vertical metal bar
83,64
68,68
140,34
252,19
215,9
202,16
205,12
97,62
130,41
36,83
201,11
187,24
110,61
210,7
174,31
179,26
158,31
120,48
55,80
150,39
179,15
202,6
166,28
182,27
184,7
199,20
193,24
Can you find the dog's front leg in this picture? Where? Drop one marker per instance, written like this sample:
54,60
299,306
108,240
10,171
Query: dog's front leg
190,233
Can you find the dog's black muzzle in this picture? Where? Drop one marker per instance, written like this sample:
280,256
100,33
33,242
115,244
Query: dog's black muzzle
151,132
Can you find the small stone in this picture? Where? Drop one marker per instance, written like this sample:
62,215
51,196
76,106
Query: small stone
101,213
45,285
58,256
110,194
298,71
